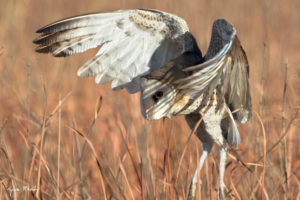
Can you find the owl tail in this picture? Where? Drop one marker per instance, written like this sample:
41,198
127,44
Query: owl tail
233,137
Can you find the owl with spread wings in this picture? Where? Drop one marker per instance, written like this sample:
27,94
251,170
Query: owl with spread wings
154,53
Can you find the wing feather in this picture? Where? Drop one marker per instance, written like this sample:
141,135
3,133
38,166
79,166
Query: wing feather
94,19
228,68
204,75
238,90
133,43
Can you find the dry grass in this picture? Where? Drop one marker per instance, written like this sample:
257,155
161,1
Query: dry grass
107,150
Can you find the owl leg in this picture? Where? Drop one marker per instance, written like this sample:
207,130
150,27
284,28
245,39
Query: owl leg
206,148
222,187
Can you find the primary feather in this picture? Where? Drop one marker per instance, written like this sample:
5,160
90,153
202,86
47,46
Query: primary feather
134,43
154,52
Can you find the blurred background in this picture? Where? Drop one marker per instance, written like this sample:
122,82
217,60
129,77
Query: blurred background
108,151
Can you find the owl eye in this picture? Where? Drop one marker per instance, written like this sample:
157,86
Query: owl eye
157,95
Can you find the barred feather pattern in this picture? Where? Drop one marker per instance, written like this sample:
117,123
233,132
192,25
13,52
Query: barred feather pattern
134,43
154,52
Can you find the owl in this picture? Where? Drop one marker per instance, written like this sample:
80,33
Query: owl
154,53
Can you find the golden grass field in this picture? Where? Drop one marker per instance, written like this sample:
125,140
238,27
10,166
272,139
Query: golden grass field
116,154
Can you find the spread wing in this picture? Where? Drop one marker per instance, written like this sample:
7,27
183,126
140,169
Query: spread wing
133,43
237,94
228,68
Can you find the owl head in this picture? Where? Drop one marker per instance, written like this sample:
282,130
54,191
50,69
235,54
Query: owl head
157,98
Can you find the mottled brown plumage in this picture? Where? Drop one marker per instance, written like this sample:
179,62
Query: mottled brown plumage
154,52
